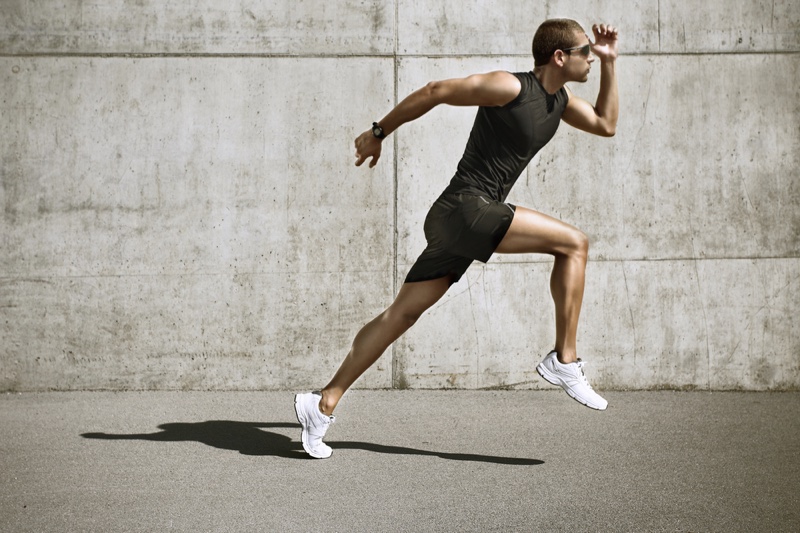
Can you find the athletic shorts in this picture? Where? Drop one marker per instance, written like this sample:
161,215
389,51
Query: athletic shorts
460,228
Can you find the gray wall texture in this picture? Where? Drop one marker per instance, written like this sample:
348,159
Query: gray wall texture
180,208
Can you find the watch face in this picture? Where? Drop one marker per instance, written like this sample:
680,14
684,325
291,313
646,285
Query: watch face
377,131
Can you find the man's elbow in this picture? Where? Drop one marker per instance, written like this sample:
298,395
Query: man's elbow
607,130
434,92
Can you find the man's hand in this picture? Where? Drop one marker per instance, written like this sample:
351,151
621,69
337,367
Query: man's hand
605,42
367,145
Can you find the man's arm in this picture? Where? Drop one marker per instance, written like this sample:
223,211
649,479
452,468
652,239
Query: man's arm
491,89
600,119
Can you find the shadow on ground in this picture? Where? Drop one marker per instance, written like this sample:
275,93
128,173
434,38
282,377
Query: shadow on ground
250,438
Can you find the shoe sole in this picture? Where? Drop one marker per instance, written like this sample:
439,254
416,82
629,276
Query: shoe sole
304,431
555,380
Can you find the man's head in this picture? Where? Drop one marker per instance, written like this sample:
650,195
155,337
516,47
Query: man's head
552,35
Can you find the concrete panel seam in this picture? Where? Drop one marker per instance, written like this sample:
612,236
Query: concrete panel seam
235,55
29,278
194,55
395,236
544,259
658,22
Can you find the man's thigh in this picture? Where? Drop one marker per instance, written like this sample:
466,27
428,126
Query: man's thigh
534,232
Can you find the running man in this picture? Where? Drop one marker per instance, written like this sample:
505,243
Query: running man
518,113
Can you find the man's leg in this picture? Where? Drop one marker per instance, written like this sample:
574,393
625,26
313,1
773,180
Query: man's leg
314,412
533,232
371,341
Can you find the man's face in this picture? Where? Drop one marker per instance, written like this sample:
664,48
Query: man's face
579,59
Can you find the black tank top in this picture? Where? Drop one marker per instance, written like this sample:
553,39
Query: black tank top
504,140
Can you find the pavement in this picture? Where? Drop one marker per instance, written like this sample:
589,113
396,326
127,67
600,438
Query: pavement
403,461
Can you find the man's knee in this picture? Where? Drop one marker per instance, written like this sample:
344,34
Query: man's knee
580,243
403,317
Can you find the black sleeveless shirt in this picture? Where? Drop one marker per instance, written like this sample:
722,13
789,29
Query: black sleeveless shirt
504,140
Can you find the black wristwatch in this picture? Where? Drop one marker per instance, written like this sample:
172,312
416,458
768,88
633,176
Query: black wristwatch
377,131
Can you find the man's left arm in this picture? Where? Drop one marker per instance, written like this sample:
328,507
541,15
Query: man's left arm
600,119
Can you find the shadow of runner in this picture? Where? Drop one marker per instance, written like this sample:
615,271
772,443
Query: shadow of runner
246,438
400,450
249,438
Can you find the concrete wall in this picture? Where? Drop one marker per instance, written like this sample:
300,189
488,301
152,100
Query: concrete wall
180,209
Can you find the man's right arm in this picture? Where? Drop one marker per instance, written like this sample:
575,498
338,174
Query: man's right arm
491,89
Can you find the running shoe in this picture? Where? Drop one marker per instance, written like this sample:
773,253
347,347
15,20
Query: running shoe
571,378
314,424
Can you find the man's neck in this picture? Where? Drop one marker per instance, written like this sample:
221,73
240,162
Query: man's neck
549,79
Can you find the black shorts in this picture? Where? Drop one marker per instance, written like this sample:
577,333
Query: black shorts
460,228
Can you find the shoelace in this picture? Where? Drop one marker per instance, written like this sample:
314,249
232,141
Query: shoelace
583,376
326,420
322,426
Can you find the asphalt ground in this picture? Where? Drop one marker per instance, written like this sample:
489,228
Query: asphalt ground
403,461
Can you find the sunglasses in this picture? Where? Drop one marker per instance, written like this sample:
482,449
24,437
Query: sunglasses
585,49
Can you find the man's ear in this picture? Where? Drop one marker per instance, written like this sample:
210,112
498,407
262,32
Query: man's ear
559,57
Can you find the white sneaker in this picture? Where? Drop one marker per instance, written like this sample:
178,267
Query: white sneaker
314,423
571,378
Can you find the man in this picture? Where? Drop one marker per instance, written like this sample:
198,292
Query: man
518,114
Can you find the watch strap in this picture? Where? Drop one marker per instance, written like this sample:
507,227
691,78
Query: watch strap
377,131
